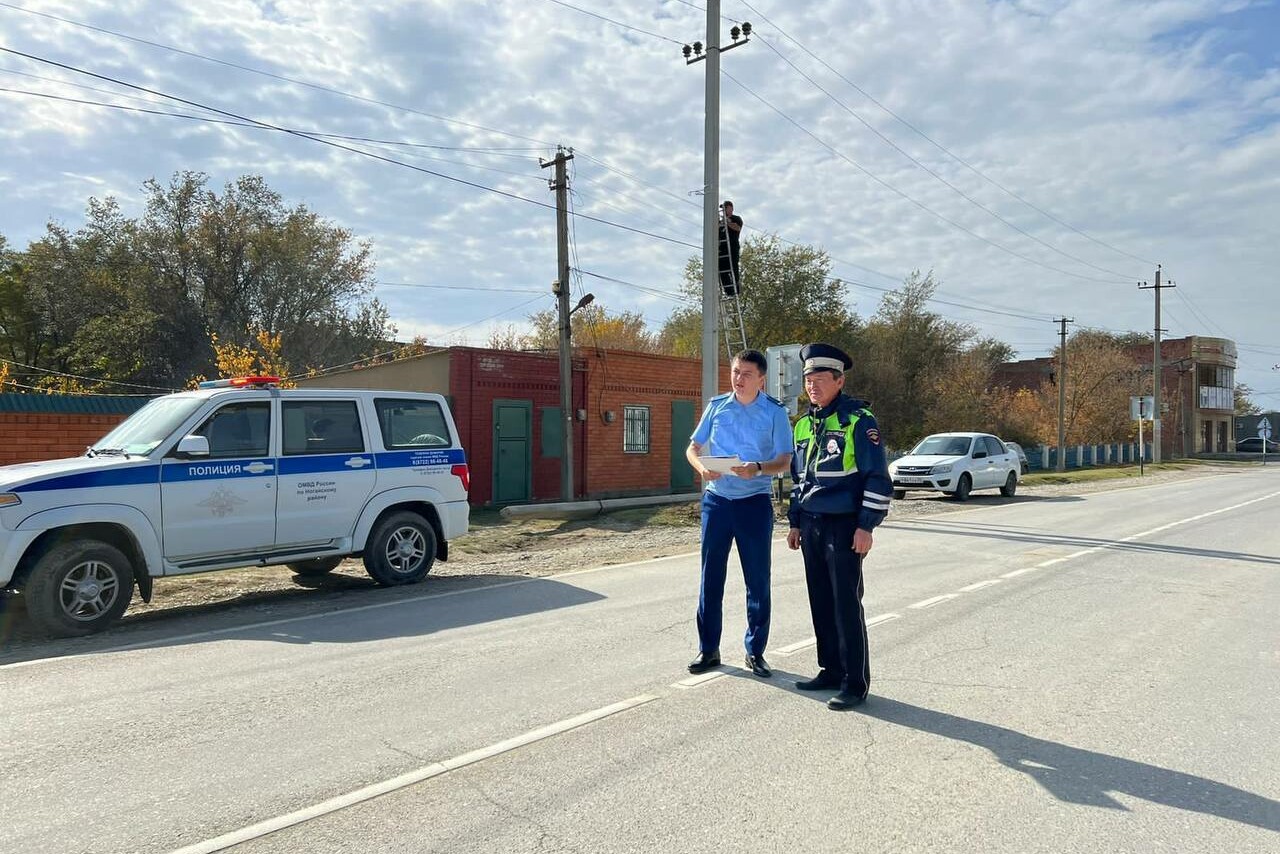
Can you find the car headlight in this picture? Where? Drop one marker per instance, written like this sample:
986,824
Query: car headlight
941,469
8,499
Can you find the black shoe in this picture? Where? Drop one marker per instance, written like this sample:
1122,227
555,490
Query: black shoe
824,679
845,700
704,662
757,665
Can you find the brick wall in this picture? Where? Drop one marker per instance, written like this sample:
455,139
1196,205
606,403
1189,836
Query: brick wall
616,379
29,436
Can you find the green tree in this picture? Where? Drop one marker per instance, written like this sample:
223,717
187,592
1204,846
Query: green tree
902,353
788,297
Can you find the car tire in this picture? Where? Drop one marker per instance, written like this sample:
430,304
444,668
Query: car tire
963,487
400,550
79,587
1010,486
899,494
315,567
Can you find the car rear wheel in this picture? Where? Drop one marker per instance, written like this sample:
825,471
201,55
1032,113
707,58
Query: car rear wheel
400,550
963,487
78,588
315,567
1010,486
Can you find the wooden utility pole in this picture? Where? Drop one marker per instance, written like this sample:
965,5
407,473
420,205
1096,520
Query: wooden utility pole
560,183
1061,464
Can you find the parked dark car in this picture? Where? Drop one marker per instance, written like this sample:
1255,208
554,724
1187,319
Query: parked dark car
1022,456
1253,445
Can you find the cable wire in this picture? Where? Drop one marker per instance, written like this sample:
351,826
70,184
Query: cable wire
939,145
273,76
616,23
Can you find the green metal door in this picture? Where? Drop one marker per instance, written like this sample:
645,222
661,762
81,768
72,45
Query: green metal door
512,450
682,424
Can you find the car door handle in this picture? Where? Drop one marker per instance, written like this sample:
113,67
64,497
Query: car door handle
357,462
258,467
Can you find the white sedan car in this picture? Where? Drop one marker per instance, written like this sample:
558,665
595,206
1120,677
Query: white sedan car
955,464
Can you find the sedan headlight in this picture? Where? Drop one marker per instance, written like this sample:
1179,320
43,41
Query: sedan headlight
8,499
941,469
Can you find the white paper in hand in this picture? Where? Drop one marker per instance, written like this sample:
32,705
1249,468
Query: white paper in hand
720,464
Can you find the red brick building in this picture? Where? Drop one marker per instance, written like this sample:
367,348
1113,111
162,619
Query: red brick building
1197,388
633,413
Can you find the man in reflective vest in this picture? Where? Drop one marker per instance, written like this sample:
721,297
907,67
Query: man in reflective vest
840,494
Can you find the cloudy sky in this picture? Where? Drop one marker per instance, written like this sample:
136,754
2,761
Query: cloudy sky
1040,156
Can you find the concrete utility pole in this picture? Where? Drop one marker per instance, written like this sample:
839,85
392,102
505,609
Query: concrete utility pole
1155,366
1061,464
711,192
560,183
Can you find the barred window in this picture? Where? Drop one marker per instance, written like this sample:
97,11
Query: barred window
635,434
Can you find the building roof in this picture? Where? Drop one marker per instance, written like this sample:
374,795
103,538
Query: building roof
73,404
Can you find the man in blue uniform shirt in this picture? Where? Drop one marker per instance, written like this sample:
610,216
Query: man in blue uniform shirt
738,507
841,493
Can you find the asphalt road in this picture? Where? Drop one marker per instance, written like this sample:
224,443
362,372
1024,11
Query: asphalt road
1098,673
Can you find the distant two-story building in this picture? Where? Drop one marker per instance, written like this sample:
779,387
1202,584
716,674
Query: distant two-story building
1197,386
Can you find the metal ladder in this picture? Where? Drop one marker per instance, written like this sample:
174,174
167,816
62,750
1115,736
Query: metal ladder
731,324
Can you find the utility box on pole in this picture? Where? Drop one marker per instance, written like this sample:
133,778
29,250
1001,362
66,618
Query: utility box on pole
785,380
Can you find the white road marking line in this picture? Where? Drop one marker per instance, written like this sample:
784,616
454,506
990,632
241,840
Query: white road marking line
936,600
883,618
418,775
978,585
1015,573
704,678
795,647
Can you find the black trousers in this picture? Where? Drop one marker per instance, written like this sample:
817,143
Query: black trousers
833,573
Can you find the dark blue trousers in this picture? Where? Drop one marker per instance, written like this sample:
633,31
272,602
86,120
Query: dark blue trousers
833,574
749,522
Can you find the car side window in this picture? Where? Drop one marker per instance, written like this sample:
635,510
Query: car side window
238,430
994,448
321,427
407,423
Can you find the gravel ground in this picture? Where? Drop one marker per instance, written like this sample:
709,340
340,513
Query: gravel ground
497,547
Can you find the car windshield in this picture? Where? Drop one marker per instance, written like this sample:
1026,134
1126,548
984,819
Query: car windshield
141,432
943,446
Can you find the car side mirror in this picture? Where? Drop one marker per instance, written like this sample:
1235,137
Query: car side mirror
979,455
192,446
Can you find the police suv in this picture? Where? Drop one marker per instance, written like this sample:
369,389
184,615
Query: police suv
237,473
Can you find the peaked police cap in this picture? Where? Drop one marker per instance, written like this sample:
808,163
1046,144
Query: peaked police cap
824,357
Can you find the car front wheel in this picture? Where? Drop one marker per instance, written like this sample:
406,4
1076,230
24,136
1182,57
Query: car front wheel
78,588
400,550
963,487
899,494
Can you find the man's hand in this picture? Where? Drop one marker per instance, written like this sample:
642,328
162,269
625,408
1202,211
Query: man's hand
708,474
745,470
793,539
861,541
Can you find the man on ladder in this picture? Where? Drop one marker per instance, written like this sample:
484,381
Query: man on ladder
730,229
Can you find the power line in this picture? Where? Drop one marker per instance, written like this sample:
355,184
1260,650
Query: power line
675,297
458,288
939,146
252,126
50,371
342,147
616,23
905,196
931,172
281,77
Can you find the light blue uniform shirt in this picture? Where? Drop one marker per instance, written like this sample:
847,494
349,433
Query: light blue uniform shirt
757,432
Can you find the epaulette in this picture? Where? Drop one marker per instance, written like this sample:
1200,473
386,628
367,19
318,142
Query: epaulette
774,399
721,396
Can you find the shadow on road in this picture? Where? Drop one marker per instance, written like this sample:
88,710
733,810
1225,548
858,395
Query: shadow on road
996,532
1084,776
367,613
